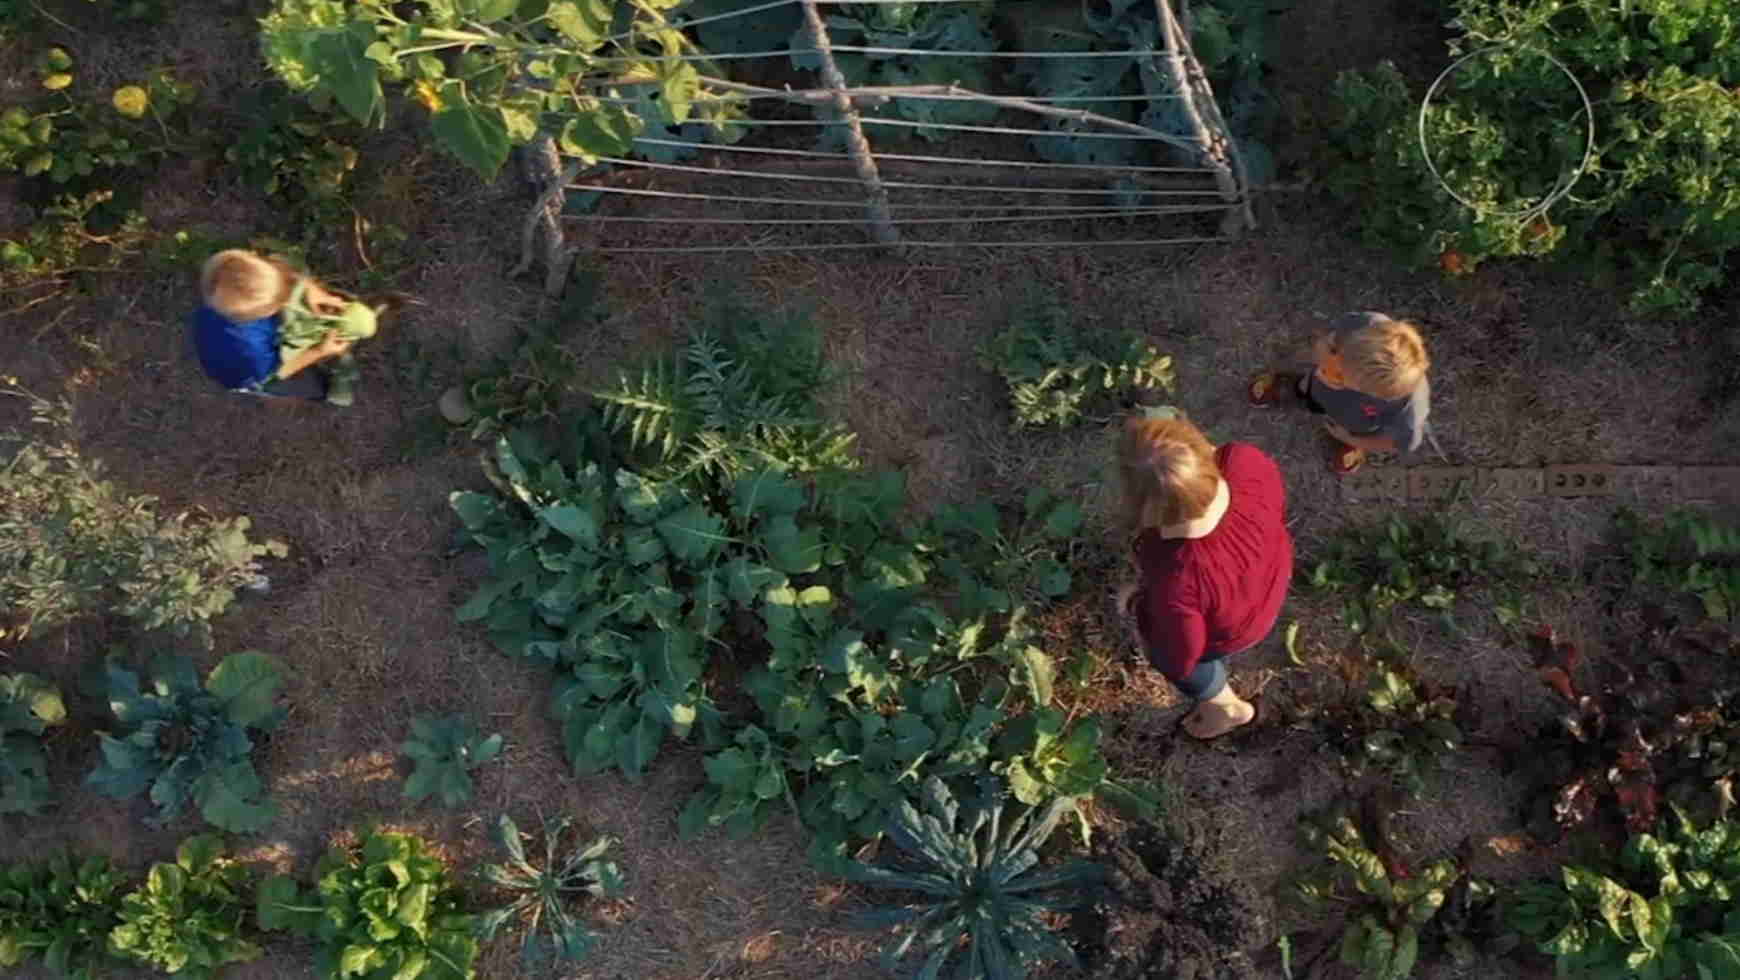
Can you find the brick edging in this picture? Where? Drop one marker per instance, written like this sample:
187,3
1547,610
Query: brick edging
1717,483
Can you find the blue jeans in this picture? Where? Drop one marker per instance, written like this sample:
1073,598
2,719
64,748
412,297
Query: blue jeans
1206,680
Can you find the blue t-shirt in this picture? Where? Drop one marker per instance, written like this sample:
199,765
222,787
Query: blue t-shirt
236,355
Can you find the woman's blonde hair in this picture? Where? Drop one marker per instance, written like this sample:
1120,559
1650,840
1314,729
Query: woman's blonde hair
1167,471
243,286
1385,358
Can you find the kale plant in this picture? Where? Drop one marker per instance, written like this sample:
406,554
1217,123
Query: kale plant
541,893
1059,374
188,743
384,910
189,918
974,866
59,911
445,750
28,706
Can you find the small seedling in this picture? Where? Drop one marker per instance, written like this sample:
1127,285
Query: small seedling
445,751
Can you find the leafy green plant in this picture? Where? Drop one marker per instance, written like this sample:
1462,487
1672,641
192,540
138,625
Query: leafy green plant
188,918
1665,910
69,139
1688,553
445,750
541,894
1047,758
63,251
72,543
493,74
1654,208
1057,372
528,388
28,706
738,396
385,908
188,743
974,866
1424,560
290,148
59,911
997,564
1403,727
1387,907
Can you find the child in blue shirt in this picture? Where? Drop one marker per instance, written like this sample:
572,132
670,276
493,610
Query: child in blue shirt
236,333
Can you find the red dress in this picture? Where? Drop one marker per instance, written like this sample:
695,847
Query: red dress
1222,592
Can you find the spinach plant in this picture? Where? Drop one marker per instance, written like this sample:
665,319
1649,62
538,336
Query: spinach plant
59,911
28,706
384,909
445,750
542,893
1059,374
188,918
975,868
1665,910
189,743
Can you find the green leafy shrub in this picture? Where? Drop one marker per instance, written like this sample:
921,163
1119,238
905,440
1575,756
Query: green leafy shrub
1058,372
28,706
1403,727
383,909
60,912
289,148
1424,560
445,750
541,894
1690,554
1657,206
1388,906
188,743
72,544
189,918
738,396
975,868
996,564
66,139
1045,757
1665,910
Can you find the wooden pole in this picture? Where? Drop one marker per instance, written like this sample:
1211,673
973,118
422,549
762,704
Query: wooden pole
1205,121
857,147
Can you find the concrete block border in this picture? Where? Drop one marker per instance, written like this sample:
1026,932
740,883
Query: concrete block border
1561,480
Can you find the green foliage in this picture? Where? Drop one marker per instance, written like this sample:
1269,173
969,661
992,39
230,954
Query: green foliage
1047,758
188,919
445,750
494,74
189,743
385,910
527,387
1666,909
996,565
1690,554
1387,908
1424,560
66,139
738,396
28,706
72,544
1659,206
540,894
62,250
291,149
60,912
1403,727
1057,372
974,867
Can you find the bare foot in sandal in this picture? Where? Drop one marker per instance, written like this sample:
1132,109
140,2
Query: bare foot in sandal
1219,715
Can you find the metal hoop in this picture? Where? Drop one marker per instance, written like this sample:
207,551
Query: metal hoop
1560,188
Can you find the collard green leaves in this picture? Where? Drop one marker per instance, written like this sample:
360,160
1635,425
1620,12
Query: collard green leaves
188,744
444,751
28,706
188,919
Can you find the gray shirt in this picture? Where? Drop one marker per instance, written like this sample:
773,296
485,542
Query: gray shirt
1402,419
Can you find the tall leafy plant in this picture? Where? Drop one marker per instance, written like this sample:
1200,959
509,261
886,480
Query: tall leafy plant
59,911
188,743
28,706
189,918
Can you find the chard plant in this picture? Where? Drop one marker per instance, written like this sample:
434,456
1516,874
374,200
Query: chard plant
1403,727
984,896
445,751
29,705
1668,908
493,74
188,743
189,918
59,912
1059,374
542,893
383,909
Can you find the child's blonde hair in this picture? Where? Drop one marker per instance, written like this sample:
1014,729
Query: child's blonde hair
1167,471
243,286
1385,358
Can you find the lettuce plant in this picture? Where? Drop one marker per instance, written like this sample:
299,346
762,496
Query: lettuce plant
188,918
185,742
541,893
59,911
28,706
382,911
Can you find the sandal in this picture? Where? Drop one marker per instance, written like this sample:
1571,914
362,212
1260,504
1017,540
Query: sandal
1274,388
1345,460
